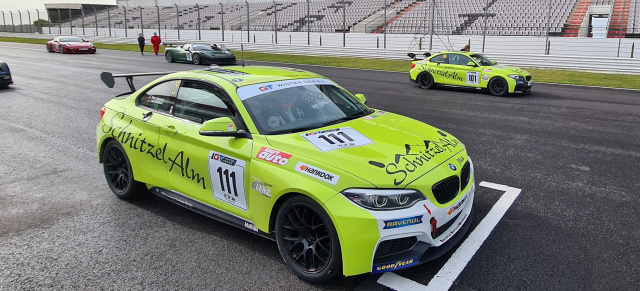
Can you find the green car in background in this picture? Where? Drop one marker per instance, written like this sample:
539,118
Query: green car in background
290,155
199,54
469,69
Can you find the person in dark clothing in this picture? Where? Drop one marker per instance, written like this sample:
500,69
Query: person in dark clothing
141,43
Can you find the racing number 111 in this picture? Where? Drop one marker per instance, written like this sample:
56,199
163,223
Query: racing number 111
335,137
226,177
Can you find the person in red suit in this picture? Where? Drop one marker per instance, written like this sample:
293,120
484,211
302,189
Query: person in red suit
155,40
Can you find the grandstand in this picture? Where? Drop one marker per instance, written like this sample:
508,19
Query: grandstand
571,18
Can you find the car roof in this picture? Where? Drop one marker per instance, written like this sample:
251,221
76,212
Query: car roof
248,75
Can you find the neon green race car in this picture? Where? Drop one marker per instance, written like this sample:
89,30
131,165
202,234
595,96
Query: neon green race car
292,156
468,69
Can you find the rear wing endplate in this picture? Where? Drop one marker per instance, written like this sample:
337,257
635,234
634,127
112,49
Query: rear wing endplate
109,79
413,56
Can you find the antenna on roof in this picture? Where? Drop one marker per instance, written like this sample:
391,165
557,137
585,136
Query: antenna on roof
242,53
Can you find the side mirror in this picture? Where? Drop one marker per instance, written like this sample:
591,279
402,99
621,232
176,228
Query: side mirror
361,98
222,126
471,64
495,62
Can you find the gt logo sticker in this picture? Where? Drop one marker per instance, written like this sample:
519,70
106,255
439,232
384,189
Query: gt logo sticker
337,138
389,224
473,78
227,179
273,156
317,173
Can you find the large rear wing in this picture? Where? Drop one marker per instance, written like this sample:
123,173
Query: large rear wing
413,56
109,79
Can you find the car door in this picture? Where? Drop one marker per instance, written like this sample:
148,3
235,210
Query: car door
464,75
438,66
213,170
185,53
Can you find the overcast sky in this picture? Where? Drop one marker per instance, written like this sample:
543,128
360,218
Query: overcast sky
32,5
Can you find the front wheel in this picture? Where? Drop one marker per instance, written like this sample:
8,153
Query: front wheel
117,171
307,240
49,48
169,57
196,59
498,86
425,80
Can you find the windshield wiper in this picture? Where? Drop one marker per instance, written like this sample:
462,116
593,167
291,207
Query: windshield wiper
292,130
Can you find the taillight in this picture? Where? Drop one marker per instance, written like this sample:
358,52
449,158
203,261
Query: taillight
413,65
102,111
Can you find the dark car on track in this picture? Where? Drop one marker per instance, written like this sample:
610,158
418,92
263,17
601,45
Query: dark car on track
5,75
200,54
70,45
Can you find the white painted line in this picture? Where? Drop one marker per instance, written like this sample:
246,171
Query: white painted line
454,266
397,282
459,260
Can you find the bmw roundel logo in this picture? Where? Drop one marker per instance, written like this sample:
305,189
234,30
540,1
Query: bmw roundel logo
452,167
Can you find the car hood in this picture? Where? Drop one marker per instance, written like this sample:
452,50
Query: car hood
78,44
391,152
507,70
217,53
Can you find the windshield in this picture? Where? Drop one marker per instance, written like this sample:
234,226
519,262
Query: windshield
71,39
201,47
213,47
482,60
299,105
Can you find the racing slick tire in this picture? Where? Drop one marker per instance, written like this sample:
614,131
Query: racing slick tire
118,173
425,80
169,57
49,48
308,240
498,86
196,59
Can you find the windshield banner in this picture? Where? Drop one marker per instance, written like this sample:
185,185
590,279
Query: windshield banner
247,92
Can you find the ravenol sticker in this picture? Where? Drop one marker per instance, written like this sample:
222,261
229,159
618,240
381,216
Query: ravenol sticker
317,173
396,223
387,267
273,156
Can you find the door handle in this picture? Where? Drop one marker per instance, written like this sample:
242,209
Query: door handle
169,129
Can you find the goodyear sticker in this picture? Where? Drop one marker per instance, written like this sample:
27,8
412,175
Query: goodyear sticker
389,224
387,267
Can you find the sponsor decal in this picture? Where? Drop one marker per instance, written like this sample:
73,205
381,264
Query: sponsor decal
224,159
396,223
247,92
380,112
452,167
446,74
369,117
458,205
155,100
336,138
273,156
395,266
485,77
236,80
460,160
416,158
451,233
230,127
487,70
137,141
265,88
251,226
317,173
263,187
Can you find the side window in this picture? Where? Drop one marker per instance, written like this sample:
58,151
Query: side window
461,60
200,102
441,59
161,97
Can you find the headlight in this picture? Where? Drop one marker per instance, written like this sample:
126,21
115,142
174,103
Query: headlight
66,44
516,77
90,44
391,199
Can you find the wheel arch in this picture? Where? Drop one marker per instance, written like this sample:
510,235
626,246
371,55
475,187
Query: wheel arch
101,147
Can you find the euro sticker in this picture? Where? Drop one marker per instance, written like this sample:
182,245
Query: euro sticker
317,173
273,156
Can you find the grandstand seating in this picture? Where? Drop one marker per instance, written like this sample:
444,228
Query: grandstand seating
504,17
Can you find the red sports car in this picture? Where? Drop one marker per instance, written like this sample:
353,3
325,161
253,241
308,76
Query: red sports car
70,45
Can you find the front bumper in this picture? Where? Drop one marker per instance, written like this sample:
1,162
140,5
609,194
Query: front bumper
5,80
522,87
72,50
219,61
393,240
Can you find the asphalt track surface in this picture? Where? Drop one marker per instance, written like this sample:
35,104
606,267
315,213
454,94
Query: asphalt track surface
574,152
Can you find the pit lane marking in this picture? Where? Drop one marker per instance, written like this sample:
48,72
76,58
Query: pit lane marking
461,257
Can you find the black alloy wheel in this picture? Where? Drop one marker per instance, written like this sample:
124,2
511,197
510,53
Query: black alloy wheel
498,86
196,59
308,240
168,56
425,80
118,173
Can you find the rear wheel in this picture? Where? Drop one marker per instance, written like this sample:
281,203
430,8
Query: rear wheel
307,240
498,86
196,59
117,171
168,56
425,80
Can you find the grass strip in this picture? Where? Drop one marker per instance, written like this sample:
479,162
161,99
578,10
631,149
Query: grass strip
539,75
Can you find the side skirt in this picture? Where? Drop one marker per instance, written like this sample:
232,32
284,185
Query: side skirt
209,211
